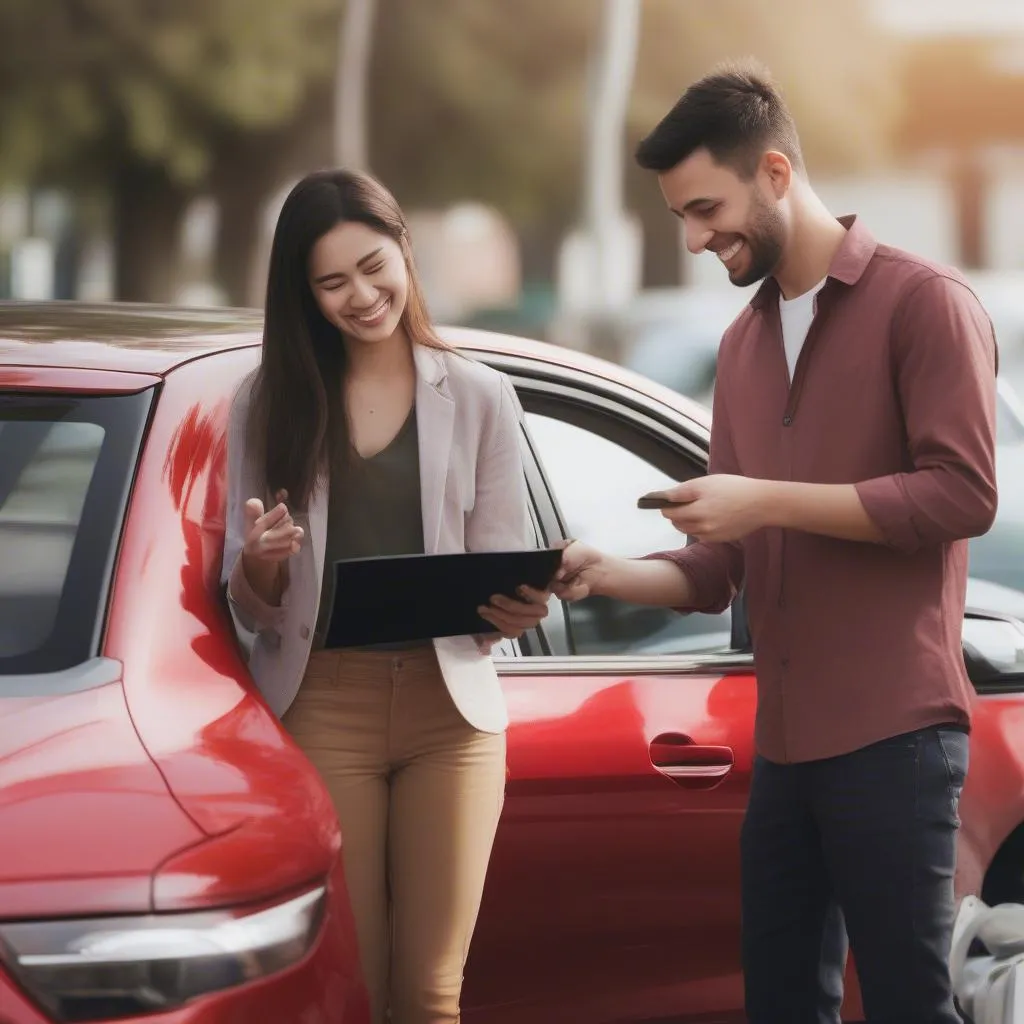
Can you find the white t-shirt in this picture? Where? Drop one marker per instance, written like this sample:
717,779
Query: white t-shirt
797,315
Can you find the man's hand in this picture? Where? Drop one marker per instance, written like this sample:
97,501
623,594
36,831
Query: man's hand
580,573
511,618
718,507
586,572
728,508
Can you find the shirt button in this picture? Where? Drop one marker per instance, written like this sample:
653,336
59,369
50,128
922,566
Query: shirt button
304,632
787,421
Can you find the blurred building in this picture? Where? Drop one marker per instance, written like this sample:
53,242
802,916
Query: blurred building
467,257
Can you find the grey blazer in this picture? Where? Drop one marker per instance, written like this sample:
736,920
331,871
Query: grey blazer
474,498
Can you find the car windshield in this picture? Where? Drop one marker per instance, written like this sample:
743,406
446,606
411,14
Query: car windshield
66,463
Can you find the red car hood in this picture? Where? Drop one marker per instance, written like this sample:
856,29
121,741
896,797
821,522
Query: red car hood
86,813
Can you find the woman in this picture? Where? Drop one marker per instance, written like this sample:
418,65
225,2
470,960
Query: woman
374,438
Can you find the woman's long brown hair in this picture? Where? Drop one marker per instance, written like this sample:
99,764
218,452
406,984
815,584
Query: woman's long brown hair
297,415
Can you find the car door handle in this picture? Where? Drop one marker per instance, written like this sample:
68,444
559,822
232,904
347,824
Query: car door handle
678,757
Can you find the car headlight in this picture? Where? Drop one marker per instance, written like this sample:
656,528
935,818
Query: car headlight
105,968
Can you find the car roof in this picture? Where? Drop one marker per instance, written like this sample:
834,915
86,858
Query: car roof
119,338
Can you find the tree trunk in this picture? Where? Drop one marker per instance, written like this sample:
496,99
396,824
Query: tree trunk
248,172
969,186
663,257
240,208
539,247
148,208
613,64
662,247
355,47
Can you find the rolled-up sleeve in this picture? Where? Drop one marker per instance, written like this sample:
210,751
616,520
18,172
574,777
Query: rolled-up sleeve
715,572
945,360
253,613
715,569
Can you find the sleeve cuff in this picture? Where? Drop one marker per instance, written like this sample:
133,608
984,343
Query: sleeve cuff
701,567
890,509
250,605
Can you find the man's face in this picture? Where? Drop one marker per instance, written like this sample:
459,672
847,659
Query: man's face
740,221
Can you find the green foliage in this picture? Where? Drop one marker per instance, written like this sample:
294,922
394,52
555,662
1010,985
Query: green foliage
468,97
487,99
482,100
152,100
88,81
834,67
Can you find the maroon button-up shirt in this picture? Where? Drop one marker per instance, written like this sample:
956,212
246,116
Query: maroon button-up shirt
893,391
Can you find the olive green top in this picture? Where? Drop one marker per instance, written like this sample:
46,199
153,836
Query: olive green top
374,509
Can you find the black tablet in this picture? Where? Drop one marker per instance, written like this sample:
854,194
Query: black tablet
419,597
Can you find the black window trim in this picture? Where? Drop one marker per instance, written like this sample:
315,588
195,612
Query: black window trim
536,487
668,423
123,443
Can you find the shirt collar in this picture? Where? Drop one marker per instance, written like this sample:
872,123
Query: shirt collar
848,264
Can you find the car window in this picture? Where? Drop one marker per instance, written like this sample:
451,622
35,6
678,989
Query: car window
596,482
65,465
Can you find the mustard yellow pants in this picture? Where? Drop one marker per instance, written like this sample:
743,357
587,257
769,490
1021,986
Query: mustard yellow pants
418,792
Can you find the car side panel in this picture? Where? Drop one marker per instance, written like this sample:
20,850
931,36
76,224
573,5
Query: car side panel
992,805
613,888
223,753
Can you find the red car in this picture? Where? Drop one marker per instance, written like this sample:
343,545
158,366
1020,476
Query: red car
167,852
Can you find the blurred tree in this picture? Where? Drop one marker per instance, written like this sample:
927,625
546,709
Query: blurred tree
247,168
156,100
483,101
152,100
833,64
962,96
487,100
355,51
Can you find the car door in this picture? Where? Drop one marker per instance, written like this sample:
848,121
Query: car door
613,889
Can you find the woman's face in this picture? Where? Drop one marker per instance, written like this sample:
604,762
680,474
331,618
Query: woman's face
359,280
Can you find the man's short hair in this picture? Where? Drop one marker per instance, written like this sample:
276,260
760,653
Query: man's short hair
736,113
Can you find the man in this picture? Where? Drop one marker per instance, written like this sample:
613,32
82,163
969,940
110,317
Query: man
852,454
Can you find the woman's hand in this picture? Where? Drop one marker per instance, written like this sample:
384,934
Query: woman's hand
510,617
270,537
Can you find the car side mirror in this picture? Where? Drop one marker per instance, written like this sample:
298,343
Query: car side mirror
993,647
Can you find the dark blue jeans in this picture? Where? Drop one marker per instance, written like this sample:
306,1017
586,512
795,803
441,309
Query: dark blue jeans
861,845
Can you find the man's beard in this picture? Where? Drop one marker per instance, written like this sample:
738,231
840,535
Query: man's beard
764,240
